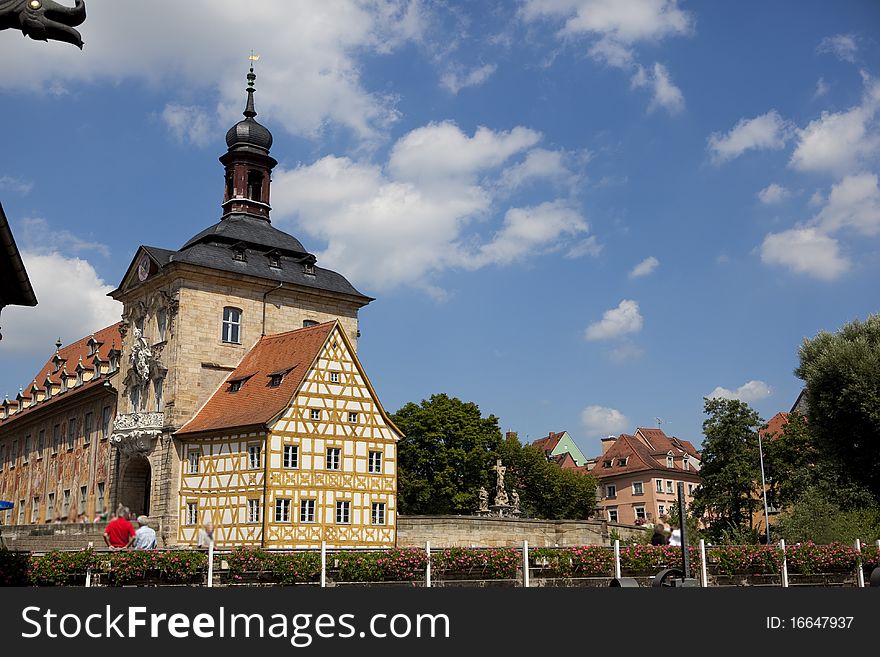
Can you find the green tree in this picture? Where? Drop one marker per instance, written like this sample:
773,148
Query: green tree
545,489
729,466
445,456
841,373
815,517
791,462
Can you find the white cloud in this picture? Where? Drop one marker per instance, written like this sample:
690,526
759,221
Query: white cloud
822,88
540,164
39,237
625,353
748,392
589,246
773,193
190,123
67,288
455,82
805,251
843,46
854,203
615,26
529,232
603,421
665,93
15,184
616,322
417,215
841,142
308,76
645,267
765,131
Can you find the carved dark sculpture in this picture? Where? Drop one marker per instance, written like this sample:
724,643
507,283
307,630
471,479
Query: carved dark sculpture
43,19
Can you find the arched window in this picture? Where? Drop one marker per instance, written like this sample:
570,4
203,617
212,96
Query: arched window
231,325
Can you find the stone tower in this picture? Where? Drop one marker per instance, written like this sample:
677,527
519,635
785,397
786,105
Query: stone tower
190,316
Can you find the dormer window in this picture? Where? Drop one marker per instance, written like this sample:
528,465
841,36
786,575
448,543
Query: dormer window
239,254
670,462
309,322
93,346
621,462
685,463
606,464
275,380
274,259
114,360
235,386
309,266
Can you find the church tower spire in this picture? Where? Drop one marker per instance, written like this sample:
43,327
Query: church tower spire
248,163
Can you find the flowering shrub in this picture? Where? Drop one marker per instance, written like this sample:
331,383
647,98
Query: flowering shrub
808,558
751,559
395,565
246,560
61,568
870,557
651,558
580,561
493,563
166,567
14,568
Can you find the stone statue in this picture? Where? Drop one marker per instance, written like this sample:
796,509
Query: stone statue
42,20
514,501
141,355
500,493
484,499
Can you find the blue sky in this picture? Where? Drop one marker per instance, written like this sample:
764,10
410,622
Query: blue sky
579,214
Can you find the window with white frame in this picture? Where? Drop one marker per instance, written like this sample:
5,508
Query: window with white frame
659,483
685,462
35,511
377,513
669,486
343,512
669,461
352,417
611,491
661,510
231,325
291,456
83,497
50,507
253,511
639,512
192,514
334,377
254,457
193,458
638,488
315,414
65,509
334,458
282,510
612,514
374,463
21,512
307,511
690,489
622,462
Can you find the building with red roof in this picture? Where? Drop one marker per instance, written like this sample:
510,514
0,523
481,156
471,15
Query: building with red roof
638,476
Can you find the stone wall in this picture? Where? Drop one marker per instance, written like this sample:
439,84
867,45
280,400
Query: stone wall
467,531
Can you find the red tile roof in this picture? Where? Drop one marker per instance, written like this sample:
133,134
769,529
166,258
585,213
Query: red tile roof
774,426
108,338
646,450
548,443
256,402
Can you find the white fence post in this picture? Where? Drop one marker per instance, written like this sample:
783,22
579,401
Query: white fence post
703,573
861,571
211,564
525,564
784,564
89,572
428,566
616,558
323,564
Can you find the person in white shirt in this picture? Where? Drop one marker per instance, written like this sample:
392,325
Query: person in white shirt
145,536
675,537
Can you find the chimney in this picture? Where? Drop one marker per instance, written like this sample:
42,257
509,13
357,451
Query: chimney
607,443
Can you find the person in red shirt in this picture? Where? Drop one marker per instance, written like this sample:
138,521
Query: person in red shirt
119,533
